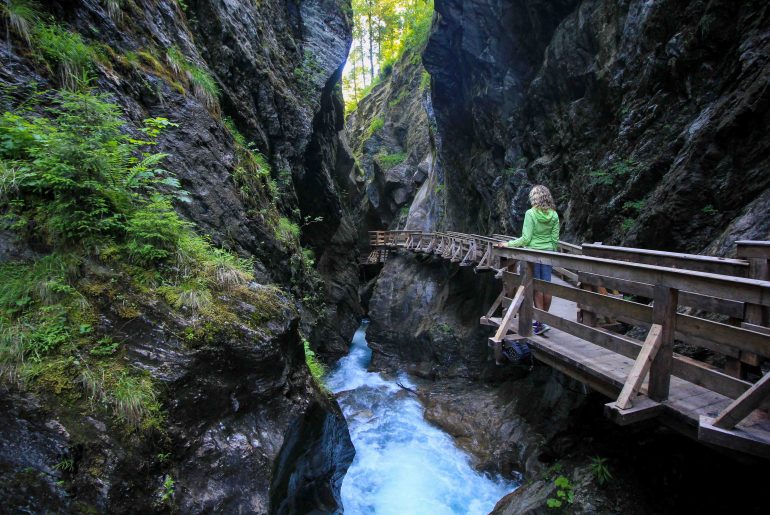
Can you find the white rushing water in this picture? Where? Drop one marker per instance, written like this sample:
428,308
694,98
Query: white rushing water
403,465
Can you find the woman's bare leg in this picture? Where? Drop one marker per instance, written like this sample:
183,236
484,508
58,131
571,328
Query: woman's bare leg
546,301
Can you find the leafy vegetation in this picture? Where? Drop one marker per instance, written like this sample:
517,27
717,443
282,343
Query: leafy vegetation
22,16
709,210
287,232
253,176
388,161
307,73
167,493
564,493
609,176
635,205
64,52
375,126
424,81
600,470
317,369
73,182
204,86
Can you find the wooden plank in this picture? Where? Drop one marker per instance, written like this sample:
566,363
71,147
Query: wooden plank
722,286
695,262
756,328
753,249
642,365
745,404
496,304
737,440
566,274
634,312
512,310
644,408
737,337
664,314
527,306
730,308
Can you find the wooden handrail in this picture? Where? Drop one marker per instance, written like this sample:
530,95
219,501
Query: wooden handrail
723,286
716,265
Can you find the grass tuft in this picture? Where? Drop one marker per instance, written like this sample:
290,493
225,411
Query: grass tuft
22,16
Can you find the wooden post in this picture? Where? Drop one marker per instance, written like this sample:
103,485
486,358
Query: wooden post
664,314
526,311
757,253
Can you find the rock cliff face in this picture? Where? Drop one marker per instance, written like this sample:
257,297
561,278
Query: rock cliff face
646,121
246,429
645,118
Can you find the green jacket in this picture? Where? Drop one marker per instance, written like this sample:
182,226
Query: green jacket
540,231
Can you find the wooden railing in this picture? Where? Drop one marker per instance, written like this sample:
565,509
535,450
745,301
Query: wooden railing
738,289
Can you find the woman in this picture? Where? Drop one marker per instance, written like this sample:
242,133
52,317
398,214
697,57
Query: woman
540,232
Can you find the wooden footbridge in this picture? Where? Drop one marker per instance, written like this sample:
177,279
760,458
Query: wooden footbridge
713,306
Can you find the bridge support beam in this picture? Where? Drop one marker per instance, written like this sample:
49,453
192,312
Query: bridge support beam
663,314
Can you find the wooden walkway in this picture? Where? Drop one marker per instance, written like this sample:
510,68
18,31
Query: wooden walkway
645,379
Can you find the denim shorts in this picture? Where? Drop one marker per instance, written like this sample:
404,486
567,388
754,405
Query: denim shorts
543,272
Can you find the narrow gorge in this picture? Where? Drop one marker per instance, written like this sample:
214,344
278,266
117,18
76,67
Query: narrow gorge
192,318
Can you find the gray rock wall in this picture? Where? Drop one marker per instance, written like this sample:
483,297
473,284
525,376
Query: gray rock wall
645,118
247,430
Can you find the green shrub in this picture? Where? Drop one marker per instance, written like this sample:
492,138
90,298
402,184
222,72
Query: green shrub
167,495
287,232
134,399
388,161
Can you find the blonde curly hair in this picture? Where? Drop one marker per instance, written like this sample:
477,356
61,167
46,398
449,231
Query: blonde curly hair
541,198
